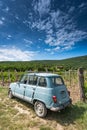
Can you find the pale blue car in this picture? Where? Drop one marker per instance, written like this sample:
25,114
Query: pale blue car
43,90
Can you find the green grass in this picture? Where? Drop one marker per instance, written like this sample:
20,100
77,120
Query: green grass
45,128
19,115
85,89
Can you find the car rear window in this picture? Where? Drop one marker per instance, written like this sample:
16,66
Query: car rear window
56,81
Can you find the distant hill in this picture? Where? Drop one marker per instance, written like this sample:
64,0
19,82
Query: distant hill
41,65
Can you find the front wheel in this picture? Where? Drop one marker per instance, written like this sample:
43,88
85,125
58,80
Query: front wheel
40,109
10,94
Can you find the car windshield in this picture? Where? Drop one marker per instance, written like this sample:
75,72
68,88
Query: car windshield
56,81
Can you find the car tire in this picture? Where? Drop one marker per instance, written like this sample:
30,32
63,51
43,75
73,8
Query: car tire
10,94
40,109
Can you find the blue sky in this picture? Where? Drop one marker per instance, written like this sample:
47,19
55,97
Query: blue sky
42,29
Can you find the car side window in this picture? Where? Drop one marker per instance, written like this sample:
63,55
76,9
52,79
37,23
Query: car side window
42,82
24,79
32,80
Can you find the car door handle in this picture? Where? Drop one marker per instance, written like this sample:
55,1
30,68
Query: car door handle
24,86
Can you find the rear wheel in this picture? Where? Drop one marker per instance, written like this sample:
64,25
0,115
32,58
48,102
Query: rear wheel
10,94
40,109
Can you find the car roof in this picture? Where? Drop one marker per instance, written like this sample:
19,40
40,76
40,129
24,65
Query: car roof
44,74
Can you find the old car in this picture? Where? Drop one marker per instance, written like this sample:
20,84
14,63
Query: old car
43,90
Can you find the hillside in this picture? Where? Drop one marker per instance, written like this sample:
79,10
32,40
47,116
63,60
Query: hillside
41,65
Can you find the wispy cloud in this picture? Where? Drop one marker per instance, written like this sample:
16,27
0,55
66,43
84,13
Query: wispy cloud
48,50
71,9
17,17
53,50
28,41
82,5
60,28
15,54
6,9
1,22
9,36
3,18
53,27
42,6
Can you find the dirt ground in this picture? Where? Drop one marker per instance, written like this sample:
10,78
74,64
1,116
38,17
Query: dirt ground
74,93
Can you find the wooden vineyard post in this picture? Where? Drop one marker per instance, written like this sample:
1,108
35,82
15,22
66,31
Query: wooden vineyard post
81,83
9,77
2,78
70,77
16,75
46,69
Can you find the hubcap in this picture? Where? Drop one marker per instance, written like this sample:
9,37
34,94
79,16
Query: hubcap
39,109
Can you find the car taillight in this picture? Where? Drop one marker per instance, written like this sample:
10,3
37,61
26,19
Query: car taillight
69,93
55,99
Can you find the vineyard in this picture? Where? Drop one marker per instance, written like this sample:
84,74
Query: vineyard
43,65
70,78
68,69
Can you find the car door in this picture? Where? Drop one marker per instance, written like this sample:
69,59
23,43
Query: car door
20,87
42,91
30,88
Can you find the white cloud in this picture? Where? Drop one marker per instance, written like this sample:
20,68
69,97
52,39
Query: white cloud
6,9
1,22
60,28
49,39
15,54
81,5
40,39
72,8
3,18
52,50
56,48
28,41
27,23
17,17
68,47
40,25
65,40
65,35
42,6
55,16
48,50
9,36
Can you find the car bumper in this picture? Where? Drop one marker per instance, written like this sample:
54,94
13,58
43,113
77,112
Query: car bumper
61,106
